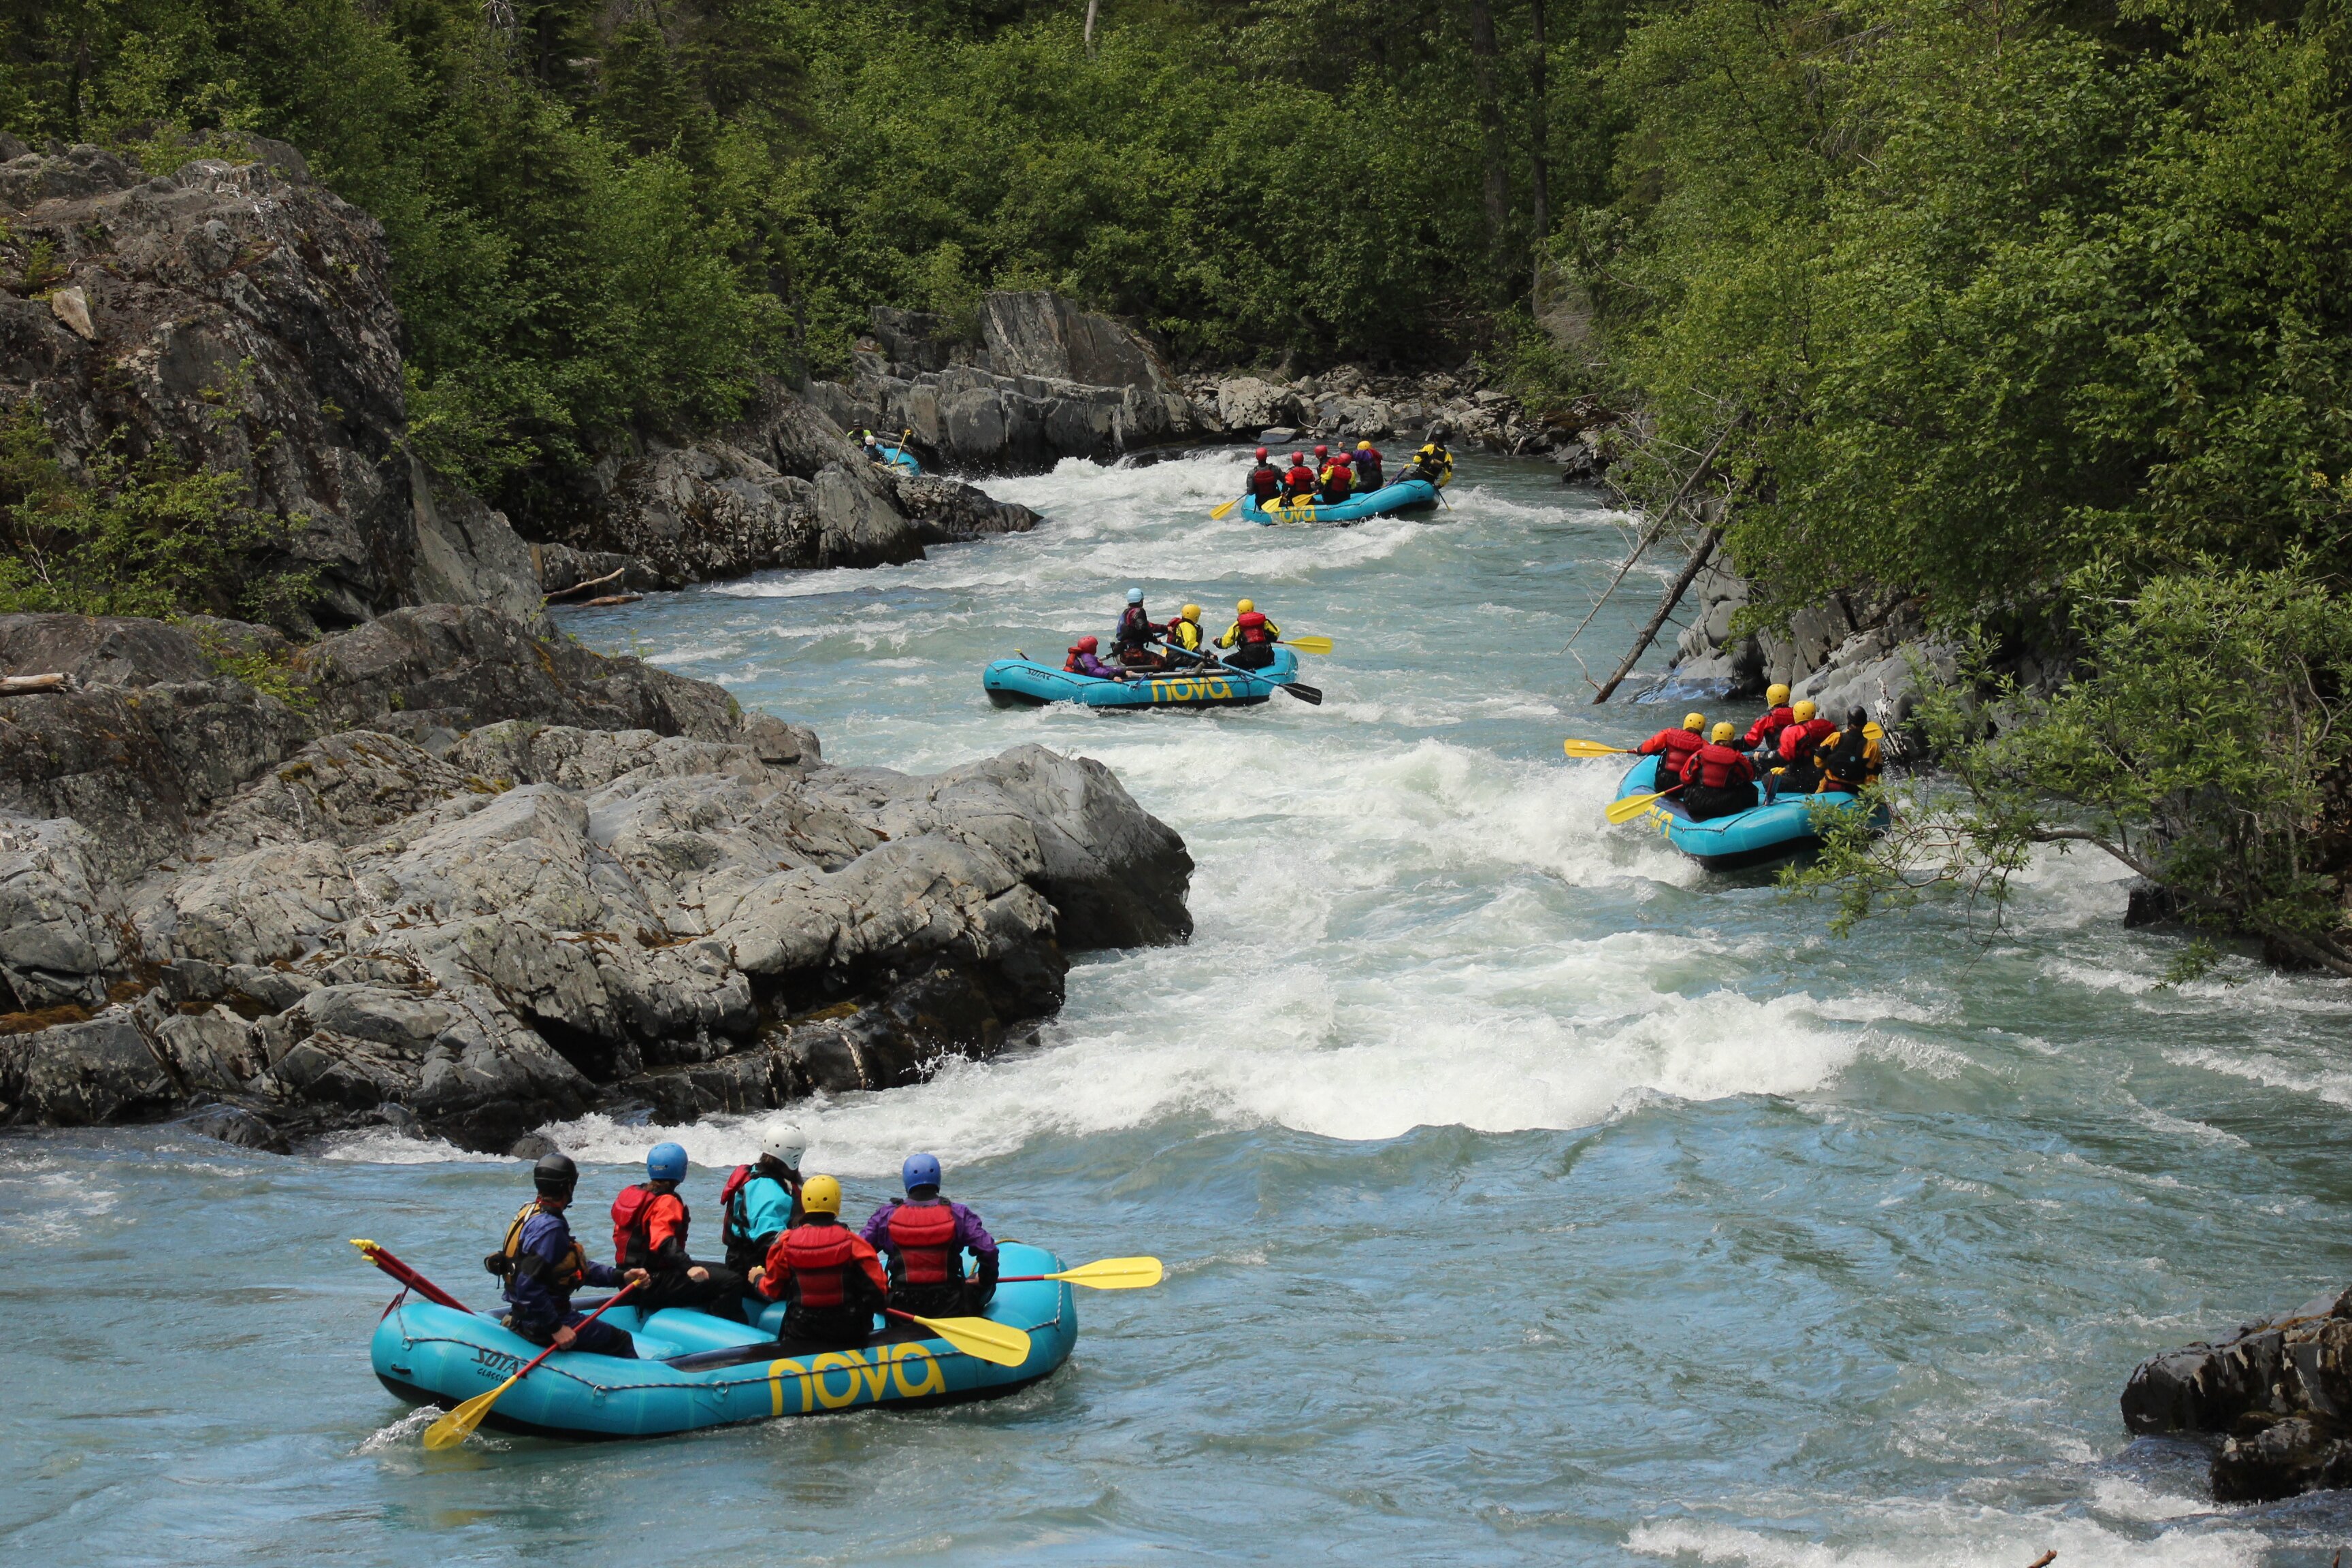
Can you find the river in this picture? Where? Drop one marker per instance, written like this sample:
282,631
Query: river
1528,1197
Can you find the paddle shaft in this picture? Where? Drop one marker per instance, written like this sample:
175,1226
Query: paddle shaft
411,1278
1295,686
611,1302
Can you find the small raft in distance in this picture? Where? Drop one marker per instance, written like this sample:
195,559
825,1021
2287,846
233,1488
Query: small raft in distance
1404,495
891,455
698,1371
1027,683
1756,836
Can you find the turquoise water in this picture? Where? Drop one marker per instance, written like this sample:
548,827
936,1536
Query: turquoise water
1528,1197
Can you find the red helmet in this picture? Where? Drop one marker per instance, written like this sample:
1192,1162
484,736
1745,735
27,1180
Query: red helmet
1298,457
1261,453
1088,644
1342,461
1322,451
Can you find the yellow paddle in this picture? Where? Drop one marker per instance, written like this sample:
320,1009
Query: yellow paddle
1575,748
1308,645
1110,1274
459,1425
1223,511
976,1337
1634,805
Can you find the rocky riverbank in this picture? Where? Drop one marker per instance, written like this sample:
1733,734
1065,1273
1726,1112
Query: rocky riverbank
2277,1393
441,873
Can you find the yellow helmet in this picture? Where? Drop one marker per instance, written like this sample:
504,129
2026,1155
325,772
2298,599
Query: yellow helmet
1723,733
1363,446
1775,694
1245,606
1192,612
821,1194
1694,720
1804,710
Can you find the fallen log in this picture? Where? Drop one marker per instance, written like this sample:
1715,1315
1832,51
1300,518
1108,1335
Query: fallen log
1681,585
17,685
608,599
582,587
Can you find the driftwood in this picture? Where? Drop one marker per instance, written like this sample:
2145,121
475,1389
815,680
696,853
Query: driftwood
1707,542
609,599
17,685
1651,535
2051,1556
580,587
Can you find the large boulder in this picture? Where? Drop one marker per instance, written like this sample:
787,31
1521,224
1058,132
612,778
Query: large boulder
1032,332
2279,1392
237,317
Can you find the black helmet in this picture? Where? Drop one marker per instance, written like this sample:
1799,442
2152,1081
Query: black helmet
555,1175
1858,717
1440,434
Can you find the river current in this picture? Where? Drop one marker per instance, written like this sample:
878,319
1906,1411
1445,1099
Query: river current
1528,1195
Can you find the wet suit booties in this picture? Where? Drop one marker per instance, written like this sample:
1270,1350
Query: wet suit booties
649,1231
543,1265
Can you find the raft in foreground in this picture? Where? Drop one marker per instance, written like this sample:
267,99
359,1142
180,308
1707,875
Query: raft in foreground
1752,838
1026,683
1405,495
891,455
697,1370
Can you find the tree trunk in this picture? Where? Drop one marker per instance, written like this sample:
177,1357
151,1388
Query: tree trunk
1538,155
1484,52
1675,592
1090,28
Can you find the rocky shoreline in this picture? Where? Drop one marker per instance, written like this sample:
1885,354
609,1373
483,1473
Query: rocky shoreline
443,874
2276,1393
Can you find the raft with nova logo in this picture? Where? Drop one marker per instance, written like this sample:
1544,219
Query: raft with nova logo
1404,495
1757,836
1027,683
696,1371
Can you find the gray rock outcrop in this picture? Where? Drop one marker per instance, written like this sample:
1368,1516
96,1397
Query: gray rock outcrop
2277,1393
466,879
237,317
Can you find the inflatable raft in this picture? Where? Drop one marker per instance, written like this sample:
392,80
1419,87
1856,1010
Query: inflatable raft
695,1370
1403,496
1752,837
1026,683
891,455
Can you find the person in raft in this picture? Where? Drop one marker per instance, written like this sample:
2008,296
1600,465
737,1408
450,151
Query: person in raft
1082,661
1131,639
1716,780
924,1239
1369,464
1851,757
761,1201
831,1274
1434,462
1798,774
1766,732
1672,748
1184,635
1339,480
1264,481
543,1265
1251,636
1298,480
649,1230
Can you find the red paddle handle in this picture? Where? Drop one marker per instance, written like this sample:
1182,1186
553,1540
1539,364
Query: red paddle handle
409,1277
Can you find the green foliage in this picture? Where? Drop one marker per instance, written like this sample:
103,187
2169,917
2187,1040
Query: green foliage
124,537
2204,745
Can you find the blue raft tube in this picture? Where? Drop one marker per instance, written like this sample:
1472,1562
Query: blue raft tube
892,455
695,1370
1756,836
1028,683
1405,495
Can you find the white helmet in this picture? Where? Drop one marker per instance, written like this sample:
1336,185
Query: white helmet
786,1147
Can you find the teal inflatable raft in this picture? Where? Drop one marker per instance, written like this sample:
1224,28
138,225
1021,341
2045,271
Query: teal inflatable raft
1752,838
695,1370
1026,683
1403,496
891,455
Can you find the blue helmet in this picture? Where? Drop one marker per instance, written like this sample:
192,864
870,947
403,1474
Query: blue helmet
1135,595
666,1164
921,1171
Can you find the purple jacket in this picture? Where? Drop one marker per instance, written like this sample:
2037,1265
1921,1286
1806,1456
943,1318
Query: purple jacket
1089,665
970,1233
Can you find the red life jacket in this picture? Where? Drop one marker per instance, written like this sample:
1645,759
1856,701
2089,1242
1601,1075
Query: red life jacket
730,1232
1339,484
1718,767
1368,469
633,1239
1071,663
1798,741
1298,481
922,1244
1265,482
820,1257
1770,726
1253,629
1675,745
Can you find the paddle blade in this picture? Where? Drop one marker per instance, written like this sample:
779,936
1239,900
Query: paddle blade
459,1425
1631,806
1225,510
1114,1274
1311,695
1575,748
1308,645
980,1338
